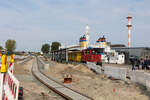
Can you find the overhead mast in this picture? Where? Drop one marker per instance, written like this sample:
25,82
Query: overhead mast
129,30
87,34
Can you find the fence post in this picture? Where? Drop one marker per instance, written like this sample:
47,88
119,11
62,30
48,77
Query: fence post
1,85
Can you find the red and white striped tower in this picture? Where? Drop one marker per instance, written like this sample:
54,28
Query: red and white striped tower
129,30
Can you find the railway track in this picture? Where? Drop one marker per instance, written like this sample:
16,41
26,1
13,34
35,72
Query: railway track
57,87
25,60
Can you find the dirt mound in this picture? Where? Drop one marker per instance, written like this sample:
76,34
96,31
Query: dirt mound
82,68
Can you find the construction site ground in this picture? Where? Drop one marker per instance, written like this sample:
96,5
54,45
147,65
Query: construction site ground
99,87
128,66
33,89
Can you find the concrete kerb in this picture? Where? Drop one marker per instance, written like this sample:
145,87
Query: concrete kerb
26,59
136,76
140,77
94,67
147,80
46,66
42,62
115,72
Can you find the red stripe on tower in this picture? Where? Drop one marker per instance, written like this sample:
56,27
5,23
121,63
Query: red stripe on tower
129,30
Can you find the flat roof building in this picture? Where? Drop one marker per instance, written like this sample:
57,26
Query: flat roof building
134,51
140,52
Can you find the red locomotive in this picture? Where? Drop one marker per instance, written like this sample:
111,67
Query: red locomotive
92,55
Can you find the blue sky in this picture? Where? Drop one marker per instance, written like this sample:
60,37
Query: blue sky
35,22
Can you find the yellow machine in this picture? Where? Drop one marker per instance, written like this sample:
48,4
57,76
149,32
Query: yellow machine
4,64
75,56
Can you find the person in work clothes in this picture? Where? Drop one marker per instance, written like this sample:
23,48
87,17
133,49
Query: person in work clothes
149,62
108,58
142,63
146,63
137,63
133,63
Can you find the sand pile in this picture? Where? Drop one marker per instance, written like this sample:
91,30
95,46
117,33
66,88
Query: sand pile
61,68
69,69
82,68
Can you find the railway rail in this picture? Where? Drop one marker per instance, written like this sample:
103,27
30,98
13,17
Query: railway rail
57,87
25,60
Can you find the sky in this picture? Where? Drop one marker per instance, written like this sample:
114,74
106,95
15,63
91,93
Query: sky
35,22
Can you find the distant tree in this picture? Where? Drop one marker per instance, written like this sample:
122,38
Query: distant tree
55,46
1,48
10,45
45,48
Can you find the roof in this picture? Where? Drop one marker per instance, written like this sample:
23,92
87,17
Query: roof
68,48
117,45
148,48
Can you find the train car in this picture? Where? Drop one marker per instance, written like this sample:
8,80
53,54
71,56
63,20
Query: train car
83,56
92,55
59,55
75,56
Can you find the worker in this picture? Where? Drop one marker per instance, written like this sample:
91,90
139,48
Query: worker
149,62
146,63
108,58
142,63
133,63
137,63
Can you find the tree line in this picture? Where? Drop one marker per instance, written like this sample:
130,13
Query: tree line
46,48
10,46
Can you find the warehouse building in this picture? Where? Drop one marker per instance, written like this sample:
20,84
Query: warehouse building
133,52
